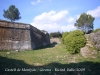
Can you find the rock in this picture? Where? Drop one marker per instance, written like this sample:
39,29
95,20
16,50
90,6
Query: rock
8,53
38,64
17,50
95,39
86,51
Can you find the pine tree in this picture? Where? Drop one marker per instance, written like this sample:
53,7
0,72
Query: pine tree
12,13
85,22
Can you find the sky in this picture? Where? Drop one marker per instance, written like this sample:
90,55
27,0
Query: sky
53,15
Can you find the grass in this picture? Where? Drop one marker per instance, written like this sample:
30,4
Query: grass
49,58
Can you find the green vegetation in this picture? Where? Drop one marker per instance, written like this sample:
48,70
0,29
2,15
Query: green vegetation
85,23
47,58
74,41
96,30
64,36
55,35
12,13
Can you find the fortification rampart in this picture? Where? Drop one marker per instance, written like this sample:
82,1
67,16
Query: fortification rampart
20,36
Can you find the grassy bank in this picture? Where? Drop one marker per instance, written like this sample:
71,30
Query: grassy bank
51,57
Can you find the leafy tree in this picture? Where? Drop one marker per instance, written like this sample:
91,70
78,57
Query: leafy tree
85,22
12,13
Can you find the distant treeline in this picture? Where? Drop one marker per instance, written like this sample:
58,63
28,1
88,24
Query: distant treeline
56,35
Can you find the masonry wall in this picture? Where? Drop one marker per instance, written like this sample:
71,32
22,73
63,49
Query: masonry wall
20,36
39,38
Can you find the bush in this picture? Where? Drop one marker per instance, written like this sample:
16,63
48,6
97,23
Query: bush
74,41
63,36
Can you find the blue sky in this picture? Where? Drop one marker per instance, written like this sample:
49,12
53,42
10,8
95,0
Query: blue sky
53,15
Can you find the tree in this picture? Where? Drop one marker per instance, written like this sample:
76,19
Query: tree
56,35
12,13
85,22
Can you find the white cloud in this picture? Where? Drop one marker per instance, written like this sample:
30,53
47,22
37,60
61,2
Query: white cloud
68,27
77,16
38,1
70,20
35,2
54,21
95,12
51,16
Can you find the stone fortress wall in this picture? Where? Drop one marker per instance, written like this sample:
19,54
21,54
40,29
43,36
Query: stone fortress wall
20,36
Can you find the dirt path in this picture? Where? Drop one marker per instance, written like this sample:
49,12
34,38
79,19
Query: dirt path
88,51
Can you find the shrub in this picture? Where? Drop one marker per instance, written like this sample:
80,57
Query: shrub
74,41
64,35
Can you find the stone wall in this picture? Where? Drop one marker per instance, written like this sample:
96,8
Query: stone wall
40,38
95,38
20,36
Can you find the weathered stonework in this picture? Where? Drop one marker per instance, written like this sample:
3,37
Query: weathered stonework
20,36
95,38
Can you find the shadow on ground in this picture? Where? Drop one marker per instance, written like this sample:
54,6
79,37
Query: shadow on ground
19,67
48,46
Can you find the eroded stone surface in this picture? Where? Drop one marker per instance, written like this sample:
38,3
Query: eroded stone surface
86,52
20,36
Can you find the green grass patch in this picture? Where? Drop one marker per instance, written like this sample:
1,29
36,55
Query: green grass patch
51,57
